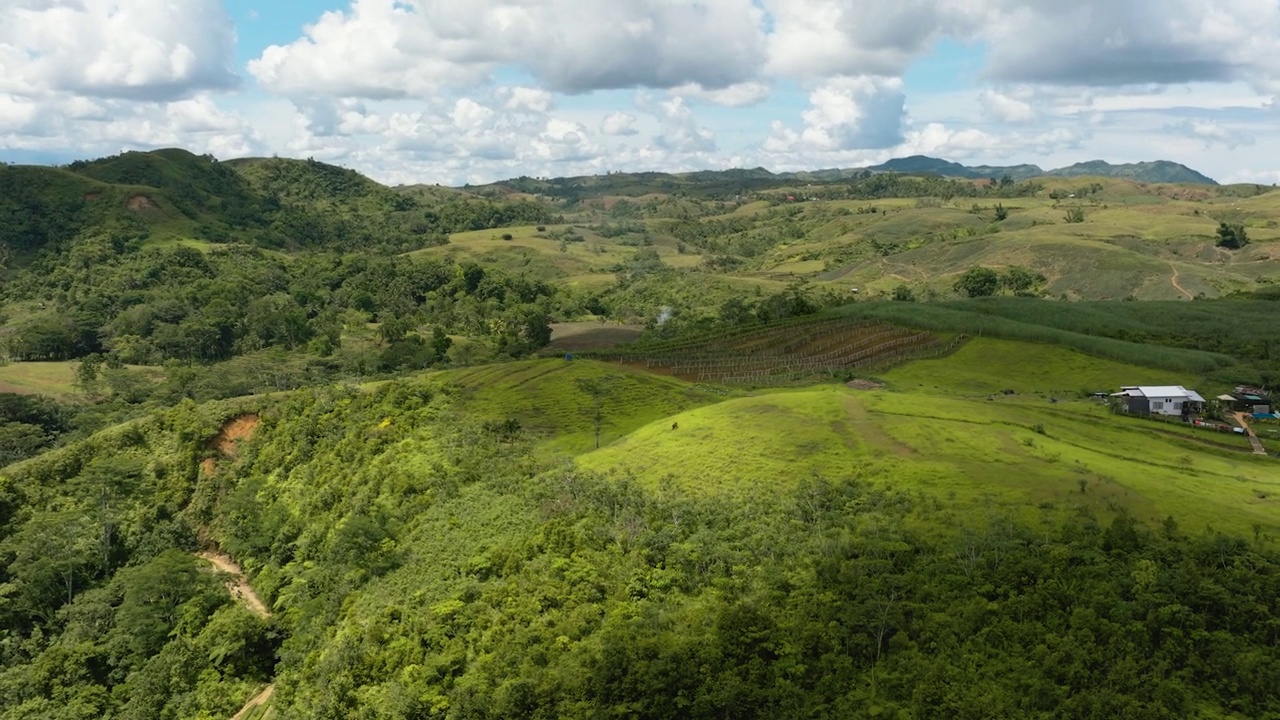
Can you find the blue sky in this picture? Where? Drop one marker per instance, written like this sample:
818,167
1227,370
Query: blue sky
455,91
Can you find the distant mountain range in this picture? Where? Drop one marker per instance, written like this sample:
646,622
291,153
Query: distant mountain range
1158,171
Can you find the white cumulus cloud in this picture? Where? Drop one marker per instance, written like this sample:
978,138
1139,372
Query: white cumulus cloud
851,113
1005,108
619,123
137,49
395,48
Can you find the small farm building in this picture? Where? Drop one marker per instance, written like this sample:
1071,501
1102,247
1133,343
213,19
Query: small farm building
1248,400
1172,400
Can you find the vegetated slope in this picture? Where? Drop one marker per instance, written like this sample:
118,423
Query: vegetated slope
1158,171
114,614
945,428
1128,240
196,185
423,561
565,401
44,208
172,193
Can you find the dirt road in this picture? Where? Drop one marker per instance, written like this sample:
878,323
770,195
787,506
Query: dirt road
255,702
1178,287
1253,437
236,584
240,589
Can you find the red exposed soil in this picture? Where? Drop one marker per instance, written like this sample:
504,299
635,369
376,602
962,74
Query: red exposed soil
237,429
227,441
90,197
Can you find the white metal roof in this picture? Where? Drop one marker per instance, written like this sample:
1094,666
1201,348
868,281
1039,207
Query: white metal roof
1169,391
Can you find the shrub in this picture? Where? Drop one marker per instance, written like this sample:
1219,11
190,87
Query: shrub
1232,237
978,282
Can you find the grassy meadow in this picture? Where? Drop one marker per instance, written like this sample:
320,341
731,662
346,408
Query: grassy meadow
56,379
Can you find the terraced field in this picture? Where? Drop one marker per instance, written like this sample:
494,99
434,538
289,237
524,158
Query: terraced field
784,352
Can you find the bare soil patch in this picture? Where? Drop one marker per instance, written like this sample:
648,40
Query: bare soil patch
591,335
861,384
227,441
240,428
141,202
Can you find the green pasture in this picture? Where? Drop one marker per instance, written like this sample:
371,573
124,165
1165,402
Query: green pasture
56,379
547,397
983,366
968,319
1021,454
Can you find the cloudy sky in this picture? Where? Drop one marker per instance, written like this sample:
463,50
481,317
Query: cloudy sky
455,91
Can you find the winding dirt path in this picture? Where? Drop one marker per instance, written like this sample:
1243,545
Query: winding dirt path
255,702
236,584
1176,286
242,591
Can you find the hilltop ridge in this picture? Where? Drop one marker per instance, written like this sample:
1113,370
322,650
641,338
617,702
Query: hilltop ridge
1157,171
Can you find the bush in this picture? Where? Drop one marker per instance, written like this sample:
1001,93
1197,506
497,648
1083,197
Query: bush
978,282
1232,237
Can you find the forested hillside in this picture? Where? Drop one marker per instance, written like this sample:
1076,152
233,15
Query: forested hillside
855,456
420,563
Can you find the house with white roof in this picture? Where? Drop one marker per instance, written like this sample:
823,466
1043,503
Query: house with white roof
1171,400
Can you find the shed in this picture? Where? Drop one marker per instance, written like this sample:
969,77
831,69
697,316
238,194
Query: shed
1249,400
